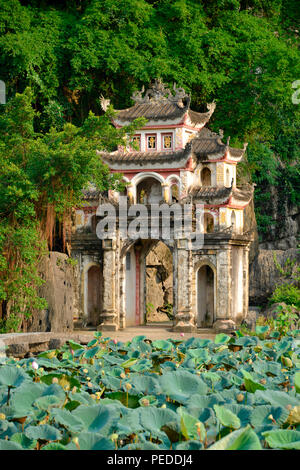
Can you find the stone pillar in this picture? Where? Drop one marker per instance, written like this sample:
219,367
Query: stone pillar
131,193
246,280
109,317
166,192
224,321
122,271
184,320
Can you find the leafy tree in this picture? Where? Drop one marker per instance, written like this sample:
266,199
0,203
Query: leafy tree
41,179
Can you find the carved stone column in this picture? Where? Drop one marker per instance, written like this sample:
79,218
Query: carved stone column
131,193
166,192
246,280
109,317
224,321
184,320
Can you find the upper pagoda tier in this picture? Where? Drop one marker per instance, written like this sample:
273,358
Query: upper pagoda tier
160,106
203,147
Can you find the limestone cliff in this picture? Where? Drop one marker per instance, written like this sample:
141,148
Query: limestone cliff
60,291
264,274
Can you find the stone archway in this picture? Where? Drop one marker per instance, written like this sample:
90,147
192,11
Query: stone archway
147,295
159,283
149,191
205,296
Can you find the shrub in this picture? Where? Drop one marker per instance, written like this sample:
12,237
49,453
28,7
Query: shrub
287,293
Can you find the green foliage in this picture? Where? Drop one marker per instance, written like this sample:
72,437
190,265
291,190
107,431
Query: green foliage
287,293
244,55
41,181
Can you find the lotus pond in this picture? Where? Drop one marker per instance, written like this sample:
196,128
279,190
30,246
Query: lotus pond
232,393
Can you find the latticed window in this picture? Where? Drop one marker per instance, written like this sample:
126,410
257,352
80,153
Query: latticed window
151,142
167,141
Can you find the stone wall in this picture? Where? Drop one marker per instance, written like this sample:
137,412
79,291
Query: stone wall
60,291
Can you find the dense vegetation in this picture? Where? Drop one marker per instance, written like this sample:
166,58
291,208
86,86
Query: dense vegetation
235,393
244,54
42,177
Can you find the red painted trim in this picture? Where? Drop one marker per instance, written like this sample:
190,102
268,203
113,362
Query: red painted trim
131,173
137,287
165,126
171,126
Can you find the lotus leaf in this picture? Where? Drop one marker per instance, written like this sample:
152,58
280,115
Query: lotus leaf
242,439
92,343
90,353
180,385
277,398
267,414
11,376
23,440
191,427
283,439
54,446
9,445
44,432
48,401
227,417
189,445
67,419
127,399
163,345
221,338
97,418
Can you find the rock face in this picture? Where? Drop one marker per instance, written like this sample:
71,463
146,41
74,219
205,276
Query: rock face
264,274
60,291
159,282
250,225
284,231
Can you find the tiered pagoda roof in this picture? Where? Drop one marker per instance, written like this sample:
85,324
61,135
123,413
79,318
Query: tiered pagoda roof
221,195
160,104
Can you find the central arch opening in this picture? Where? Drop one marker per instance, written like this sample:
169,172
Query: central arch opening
159,284
206,297
94,295
148,283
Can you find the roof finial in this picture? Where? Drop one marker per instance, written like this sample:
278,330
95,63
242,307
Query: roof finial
211,107
104,103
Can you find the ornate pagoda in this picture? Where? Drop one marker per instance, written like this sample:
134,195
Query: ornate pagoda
174,158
